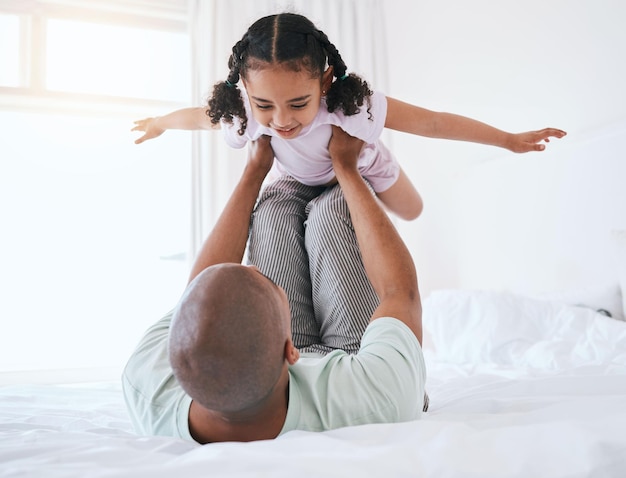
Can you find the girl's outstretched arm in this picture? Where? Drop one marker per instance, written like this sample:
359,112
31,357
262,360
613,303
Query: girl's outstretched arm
420,121
186,118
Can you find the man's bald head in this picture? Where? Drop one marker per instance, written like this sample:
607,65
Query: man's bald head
228,338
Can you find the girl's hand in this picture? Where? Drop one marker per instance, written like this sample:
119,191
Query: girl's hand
149,127
533,140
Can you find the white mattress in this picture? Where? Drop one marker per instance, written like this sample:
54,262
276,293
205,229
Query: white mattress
518,387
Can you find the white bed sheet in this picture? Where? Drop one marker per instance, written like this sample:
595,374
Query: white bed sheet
518,387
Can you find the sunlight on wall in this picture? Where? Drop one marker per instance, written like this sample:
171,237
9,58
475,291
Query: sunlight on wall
93,225
96,229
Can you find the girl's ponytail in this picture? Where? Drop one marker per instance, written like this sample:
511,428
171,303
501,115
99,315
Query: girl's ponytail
349,91
226,101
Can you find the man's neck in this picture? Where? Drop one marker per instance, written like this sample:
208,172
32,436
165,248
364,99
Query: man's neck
208,426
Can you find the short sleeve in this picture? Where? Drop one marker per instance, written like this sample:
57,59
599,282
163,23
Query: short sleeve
394,360
369,122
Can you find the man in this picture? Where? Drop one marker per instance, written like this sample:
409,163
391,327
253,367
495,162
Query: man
232,372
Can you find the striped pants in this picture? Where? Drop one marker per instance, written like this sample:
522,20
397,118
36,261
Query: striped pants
302,238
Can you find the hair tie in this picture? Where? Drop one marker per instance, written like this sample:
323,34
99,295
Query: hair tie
344,77
229,84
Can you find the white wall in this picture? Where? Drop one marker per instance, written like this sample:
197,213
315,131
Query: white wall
495,219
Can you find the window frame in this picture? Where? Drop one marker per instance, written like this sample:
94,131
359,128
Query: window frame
161,15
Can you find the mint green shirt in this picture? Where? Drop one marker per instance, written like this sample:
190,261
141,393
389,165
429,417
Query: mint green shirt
156,403
382,383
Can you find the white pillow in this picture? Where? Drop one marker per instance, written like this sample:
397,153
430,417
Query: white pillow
599,298
504,329
619,241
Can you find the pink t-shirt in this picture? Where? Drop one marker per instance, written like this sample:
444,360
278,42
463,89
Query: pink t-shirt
306,157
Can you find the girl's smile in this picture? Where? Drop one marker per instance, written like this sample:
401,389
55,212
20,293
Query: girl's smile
286,132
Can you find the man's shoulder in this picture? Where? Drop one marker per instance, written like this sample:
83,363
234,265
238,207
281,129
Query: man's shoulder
384,330
389,344
385,338
385,327
383,382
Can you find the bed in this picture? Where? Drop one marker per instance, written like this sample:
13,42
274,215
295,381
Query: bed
522,384
519,386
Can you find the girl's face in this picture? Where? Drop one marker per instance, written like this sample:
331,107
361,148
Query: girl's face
285,100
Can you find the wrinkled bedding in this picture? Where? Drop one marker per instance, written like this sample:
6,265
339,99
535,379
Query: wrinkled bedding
518,387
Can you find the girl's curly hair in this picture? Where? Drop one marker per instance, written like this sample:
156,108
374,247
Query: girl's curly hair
293,41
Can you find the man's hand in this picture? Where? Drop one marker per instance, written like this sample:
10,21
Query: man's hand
344,149
388,262
261,155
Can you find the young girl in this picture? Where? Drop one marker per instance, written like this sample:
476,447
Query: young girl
295,86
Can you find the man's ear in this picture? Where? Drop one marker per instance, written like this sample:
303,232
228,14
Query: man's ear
292,354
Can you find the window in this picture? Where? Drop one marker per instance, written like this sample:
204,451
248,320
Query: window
116,60
95,228
9,55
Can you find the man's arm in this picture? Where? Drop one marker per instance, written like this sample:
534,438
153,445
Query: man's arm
388,262
227,241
